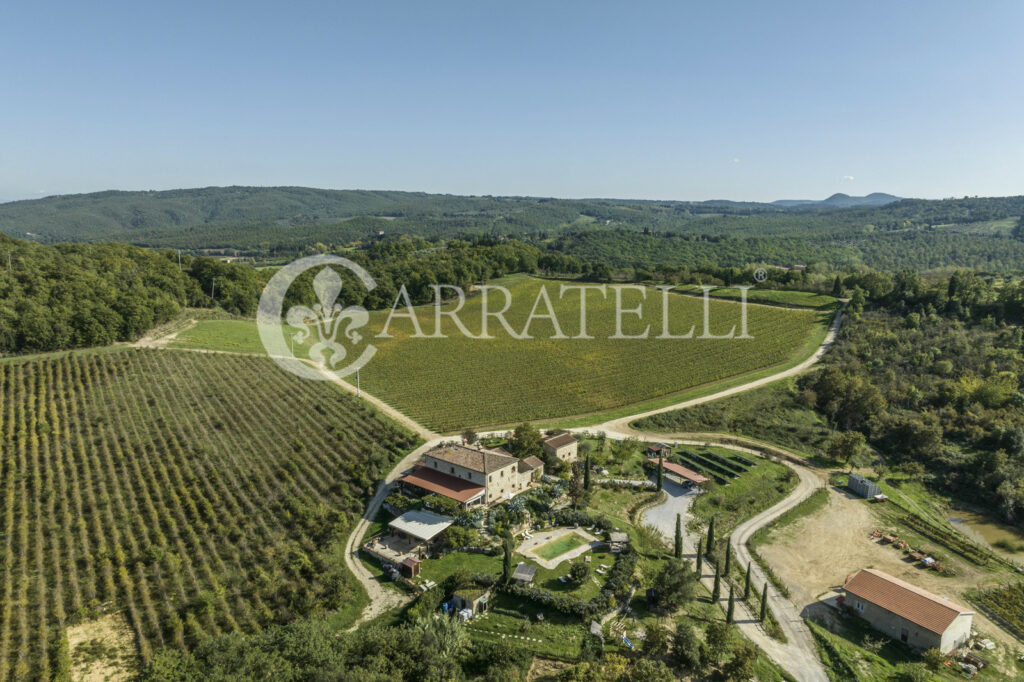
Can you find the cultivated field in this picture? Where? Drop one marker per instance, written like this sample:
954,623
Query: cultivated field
197,494
454,382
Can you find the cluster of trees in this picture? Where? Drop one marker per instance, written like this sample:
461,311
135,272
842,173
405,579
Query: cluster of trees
928,374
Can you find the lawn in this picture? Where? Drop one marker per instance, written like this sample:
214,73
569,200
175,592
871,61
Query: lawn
559,546
439,569
557,636
455,382
760,487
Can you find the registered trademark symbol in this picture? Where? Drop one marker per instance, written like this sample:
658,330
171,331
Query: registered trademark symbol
760,274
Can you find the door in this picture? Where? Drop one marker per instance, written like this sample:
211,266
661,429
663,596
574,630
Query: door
904,635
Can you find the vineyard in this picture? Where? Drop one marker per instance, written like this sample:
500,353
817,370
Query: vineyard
197,494
1006,604
455,382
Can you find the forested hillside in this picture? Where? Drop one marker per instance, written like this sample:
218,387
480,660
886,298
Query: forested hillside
282,222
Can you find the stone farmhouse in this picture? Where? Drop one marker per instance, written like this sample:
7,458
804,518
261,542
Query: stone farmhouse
473,476
563,446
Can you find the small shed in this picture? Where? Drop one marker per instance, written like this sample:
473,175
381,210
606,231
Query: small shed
618,541
410,567
658,449
863,486
524,573
473,599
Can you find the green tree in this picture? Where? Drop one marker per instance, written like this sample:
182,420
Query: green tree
728,556
579,572
661,472
469,435
764,603
741,665
586,474
679,537
676,584
711,536
508,545
837,287
716,590
848,447
746,584
526,442
720,638
686,646
730,614
656,643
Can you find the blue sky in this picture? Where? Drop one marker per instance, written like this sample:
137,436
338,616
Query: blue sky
671,100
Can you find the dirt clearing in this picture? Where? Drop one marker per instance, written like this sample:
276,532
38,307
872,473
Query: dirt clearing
102,650
815,555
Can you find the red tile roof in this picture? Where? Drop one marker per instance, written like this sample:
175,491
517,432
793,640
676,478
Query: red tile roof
680,470
919,606
453,487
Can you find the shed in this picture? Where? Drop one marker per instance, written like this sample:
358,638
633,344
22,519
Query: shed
473,599
524,573
863,486
618,541
420,524
410,567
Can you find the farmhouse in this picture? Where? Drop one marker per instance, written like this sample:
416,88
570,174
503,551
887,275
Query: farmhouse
908,613
410,537
686,476
563,446
473,476
863,486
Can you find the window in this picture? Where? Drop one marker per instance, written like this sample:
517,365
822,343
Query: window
859,605
453,470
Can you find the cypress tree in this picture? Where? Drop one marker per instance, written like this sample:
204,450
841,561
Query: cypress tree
716,591
764,602
679,536
730,614
837,287
506,566
711,535
728,556
586,475
661,472
700,557
746,585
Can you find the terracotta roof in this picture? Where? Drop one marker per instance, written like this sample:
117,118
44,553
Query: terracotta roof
529,464
919,606
456,488
680,470
560,441
484,461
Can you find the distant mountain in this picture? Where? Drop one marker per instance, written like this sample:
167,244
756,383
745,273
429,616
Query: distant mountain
839,200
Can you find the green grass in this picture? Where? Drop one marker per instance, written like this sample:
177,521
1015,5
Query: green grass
450,383
558,636
440,568
771,413
233,336
797,299
763,485
559,546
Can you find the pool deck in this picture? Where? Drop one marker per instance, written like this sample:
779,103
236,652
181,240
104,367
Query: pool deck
545,536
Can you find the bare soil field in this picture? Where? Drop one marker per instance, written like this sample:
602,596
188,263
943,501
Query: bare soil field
102,650
815,555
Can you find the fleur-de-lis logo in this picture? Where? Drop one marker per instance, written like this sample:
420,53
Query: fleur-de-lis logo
327,318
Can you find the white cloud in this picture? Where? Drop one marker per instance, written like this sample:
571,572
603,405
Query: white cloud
735,159
847,178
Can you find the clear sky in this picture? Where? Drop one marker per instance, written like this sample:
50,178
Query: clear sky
674,100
